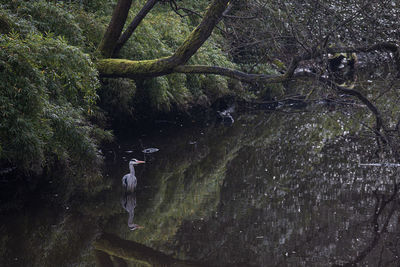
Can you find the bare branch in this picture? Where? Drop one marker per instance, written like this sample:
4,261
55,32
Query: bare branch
232,73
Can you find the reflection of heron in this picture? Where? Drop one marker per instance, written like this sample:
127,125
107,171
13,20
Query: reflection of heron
129,203
129,180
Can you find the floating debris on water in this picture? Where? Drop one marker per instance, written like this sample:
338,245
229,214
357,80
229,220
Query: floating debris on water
129,151
192,142
150,150
381,164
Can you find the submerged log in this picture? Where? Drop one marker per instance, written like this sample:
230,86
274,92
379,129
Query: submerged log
133,251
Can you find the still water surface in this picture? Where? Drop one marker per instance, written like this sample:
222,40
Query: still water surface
273,189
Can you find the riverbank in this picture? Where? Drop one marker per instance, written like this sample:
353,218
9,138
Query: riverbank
55,109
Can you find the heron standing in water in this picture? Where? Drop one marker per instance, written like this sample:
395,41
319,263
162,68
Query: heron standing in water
129,180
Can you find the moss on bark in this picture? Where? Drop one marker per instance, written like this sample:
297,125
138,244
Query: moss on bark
133,69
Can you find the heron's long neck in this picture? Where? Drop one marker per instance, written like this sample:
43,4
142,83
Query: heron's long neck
132,169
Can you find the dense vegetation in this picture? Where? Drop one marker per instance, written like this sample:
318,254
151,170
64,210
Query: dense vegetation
50,89
59,93
59,100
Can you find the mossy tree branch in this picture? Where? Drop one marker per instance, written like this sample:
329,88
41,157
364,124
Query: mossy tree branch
152,68
123,68
202,32
176,62
112,42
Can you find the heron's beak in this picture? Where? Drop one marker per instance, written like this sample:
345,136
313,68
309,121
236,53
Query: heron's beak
139,161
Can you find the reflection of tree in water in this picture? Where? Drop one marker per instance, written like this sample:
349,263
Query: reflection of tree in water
112,250
385,206
300,199
284,197
295,206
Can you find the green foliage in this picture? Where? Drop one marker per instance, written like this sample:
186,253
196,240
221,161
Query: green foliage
47,90
92,27
15,23
52,18
117,97
153,40
78,27
100,7
82,23
50,84
4,24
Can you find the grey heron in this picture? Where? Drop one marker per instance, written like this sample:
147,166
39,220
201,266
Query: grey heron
129,180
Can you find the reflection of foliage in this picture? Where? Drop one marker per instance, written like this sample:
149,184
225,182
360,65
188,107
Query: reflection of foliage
276,194
188,183
187,187
47,239
289,185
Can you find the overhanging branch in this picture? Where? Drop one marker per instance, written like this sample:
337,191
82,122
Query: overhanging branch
157,67
232,73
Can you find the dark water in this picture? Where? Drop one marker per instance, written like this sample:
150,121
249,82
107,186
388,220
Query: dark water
273,189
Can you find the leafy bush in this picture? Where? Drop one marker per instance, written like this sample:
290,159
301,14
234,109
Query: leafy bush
50,84
77,26
117,98
47,90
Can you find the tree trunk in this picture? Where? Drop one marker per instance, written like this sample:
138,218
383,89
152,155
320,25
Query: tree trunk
134,24
156,67
118,19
